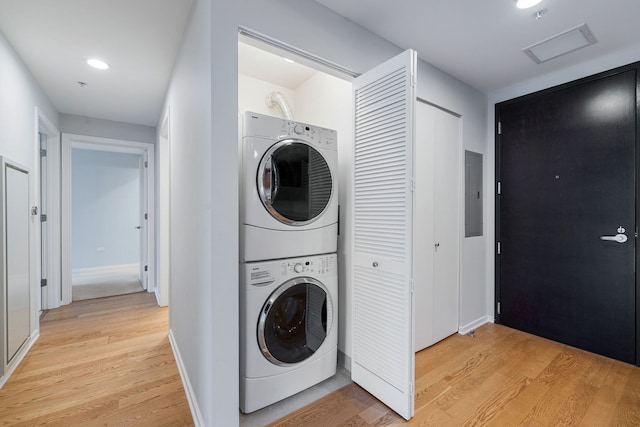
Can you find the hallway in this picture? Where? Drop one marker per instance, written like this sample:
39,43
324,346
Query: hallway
104,361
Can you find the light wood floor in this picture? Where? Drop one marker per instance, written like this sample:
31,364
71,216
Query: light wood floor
502,377
102,362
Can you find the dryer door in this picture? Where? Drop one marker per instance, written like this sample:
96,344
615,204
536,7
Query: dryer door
294,321
294,182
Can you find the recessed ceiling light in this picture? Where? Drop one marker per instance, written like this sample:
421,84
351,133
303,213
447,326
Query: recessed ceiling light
524,4
97,63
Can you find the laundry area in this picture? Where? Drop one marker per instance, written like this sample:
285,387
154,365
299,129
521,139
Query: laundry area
297,169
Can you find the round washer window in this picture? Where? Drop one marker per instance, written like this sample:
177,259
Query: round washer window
294,182
293,323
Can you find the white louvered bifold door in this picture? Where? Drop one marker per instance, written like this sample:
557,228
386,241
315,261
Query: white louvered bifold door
383,356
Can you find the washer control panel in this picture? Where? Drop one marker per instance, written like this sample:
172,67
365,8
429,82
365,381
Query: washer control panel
264,273
308,266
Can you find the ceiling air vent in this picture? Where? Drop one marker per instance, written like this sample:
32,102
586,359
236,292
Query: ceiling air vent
565,42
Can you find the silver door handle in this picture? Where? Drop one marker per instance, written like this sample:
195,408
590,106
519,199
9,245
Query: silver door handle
620,238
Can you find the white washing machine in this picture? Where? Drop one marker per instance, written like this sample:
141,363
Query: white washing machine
289,190
288,327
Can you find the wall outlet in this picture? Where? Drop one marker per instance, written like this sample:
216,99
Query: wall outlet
100,249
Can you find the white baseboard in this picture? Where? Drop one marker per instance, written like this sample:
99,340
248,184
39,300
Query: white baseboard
21,354
191,398
344,360
465,329
105,269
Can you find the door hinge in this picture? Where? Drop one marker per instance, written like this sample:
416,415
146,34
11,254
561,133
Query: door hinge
499,308
43,217
413,79
499,249
43,152
146,216
146,164
43,283
146,268
499,128
499,188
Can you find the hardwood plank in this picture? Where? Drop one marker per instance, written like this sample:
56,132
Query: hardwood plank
502,377
99,362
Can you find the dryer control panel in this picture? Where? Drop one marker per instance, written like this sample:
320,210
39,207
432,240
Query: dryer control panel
313,134
261,125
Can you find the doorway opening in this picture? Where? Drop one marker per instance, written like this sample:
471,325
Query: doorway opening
106,228
107,217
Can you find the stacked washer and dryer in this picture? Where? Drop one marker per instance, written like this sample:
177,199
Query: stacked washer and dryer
288,271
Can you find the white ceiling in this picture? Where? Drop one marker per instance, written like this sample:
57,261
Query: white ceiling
477,41
138,38
480,41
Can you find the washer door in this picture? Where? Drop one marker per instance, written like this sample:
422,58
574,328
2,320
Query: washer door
294,321
294,182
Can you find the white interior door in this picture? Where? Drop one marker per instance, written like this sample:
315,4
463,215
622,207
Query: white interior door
383,353
144,229
437,224
447,155
16,252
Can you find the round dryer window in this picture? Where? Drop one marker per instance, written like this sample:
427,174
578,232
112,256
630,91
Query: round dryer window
294,182
294,321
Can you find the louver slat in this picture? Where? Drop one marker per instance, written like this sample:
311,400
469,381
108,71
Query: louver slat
381,160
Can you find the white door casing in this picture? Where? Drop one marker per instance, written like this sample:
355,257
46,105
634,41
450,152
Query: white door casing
164,162
383,351
146,150
49,238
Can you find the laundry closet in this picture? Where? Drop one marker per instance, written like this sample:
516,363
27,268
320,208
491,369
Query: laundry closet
325,100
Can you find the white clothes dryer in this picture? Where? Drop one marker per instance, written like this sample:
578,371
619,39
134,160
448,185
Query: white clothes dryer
288,327
289,189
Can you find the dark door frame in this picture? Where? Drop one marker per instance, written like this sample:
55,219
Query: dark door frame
633,66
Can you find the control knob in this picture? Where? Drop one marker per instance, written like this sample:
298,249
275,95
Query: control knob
298,267
298,129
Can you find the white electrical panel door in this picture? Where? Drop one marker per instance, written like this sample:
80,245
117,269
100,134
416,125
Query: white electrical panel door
16,246
383,352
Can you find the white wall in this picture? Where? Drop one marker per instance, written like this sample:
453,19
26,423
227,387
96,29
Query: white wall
443,90
79,125
203,92
197,322
20,95
105,208
326,101
578,71
252,93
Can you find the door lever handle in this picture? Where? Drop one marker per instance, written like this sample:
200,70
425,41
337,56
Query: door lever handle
620,238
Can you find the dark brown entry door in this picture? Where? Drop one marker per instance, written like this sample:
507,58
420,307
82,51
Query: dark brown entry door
567,172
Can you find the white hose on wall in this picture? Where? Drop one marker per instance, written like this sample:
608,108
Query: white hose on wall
278,99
